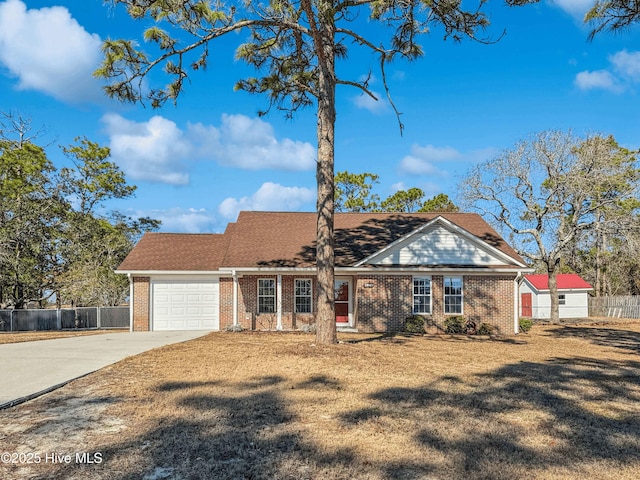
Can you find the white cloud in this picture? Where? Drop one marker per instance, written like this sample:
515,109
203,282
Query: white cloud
269,197
250,143
627,64
155,150
159,151
422,160
375,106
598,79
191,220
49,51
438,161
181,220
623,72
396,187
575,8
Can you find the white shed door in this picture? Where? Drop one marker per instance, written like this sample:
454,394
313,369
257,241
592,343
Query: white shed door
186,305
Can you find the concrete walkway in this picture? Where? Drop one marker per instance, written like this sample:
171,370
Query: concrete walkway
30,369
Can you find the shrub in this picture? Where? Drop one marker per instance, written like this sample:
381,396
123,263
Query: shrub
525,324
485,329
414,324
308,328
234,328
454,325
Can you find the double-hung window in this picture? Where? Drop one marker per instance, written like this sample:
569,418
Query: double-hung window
266,295
453,295
303,295
421,295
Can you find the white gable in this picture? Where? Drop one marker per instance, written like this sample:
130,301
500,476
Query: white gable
439,244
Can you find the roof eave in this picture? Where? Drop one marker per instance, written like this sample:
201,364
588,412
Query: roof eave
170,272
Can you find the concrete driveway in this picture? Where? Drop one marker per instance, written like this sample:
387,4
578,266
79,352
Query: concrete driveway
30,369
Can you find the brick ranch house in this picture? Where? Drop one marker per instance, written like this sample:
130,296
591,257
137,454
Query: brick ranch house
260,273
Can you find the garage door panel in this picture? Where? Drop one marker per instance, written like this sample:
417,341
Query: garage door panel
185,305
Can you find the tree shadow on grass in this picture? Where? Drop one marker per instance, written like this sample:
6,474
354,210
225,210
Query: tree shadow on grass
224,431
520,419
576,416
608,337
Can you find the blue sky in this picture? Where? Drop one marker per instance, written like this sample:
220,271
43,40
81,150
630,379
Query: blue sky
200,162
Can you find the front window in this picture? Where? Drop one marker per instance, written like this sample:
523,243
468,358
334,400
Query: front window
421,295
561,299
303,295
266,295
453,295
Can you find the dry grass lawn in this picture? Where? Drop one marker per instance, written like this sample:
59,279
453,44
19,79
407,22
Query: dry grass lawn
562,402
17,337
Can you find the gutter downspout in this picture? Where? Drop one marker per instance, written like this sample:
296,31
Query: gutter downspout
234,274
130,302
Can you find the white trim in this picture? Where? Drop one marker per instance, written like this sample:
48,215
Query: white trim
413,294
279,302
235,299
173,272
131,293
275,294
409,270
349,281
444,295
459,230
516,302
295,296
226,270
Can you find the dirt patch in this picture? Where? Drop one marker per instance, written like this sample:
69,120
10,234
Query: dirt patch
560,402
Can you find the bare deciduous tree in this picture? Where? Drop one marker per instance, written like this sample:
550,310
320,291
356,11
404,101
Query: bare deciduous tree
549,191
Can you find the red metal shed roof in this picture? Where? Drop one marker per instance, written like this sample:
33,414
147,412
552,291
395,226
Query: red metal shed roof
566,281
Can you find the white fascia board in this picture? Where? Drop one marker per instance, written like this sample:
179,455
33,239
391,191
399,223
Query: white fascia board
439,270
459,230
283,270
172,272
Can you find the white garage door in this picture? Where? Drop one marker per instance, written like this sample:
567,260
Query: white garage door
186,305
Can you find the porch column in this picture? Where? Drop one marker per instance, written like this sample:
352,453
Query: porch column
131,292
279,302
516,304
235,298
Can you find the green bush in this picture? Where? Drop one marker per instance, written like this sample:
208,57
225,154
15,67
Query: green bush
414,324
485,329
455,325
525,324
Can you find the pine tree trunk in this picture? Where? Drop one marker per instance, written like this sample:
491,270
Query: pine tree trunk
325,258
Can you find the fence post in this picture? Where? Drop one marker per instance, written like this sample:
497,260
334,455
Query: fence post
11,320
58,319
98,310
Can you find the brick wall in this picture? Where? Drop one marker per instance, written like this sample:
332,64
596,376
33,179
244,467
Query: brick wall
226,302
489,299
381,304
141,299
385,301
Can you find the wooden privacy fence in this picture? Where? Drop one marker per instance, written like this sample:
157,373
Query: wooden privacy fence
62,319
625,306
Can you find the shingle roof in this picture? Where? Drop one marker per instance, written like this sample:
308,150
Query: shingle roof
287,239
566,281
176,252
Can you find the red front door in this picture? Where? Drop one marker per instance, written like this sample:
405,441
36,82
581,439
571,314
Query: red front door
525,304
341,288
